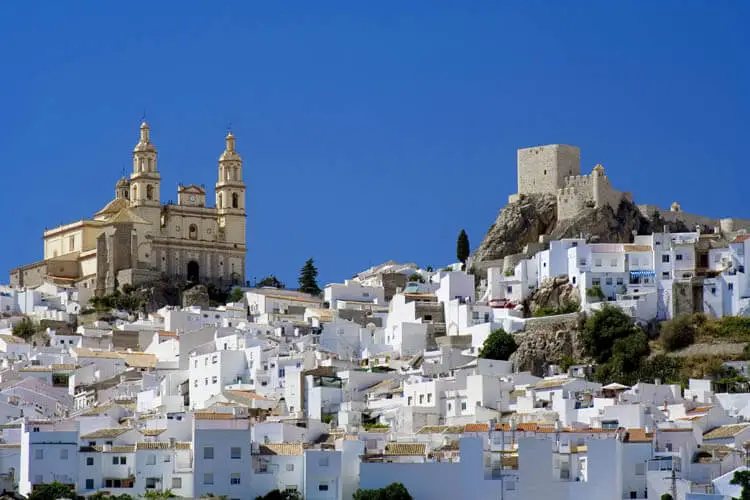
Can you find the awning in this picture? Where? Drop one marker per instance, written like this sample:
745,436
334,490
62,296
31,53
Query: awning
642,273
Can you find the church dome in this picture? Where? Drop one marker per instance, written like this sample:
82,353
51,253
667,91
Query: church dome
123,182
230,153
145,144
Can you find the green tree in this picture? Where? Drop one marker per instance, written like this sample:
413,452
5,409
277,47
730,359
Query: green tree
271,281
52,491
498,345
308,277
237,295
394,491
462,247
602,329
666,496
101,495
281,495
25,329
416,278
677,333
742,478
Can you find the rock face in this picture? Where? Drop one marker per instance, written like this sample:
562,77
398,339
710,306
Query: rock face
554,293
548,344
196,296
524,221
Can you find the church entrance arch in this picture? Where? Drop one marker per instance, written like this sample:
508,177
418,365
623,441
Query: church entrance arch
193,271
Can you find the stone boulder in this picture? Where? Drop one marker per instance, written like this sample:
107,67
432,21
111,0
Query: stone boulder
196,296
551,344
554,293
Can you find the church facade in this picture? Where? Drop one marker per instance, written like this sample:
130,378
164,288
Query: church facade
135,238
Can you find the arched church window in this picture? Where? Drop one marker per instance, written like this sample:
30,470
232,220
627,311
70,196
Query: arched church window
235,200
221,201
150,192
193,232
150,164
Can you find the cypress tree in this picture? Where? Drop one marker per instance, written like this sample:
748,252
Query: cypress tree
462,247
308,278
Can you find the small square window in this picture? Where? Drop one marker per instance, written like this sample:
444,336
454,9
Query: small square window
176,482
598,262
236,453
678,256
63,454
89,484
730,286
620,281
208,452
151,459
123,460
596,282
665,275
665,258
290,467
39,454
463,405
89,460
214,379
322,487
509,289
208,478
234,478
608,281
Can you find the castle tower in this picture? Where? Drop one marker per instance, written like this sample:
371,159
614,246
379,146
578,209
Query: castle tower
543,169
145,179
122,189
597,177
230,193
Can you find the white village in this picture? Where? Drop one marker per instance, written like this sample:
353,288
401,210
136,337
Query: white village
573,368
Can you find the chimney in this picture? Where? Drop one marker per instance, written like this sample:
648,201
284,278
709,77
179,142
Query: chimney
172,442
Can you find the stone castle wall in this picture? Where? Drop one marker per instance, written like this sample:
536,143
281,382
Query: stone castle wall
543,169
581,191
692,220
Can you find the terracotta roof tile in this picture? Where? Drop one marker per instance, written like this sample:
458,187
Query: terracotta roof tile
404,449
107,433
476,428
207,415
283,449
725,431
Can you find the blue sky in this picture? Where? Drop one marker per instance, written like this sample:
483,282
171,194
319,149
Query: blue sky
370,130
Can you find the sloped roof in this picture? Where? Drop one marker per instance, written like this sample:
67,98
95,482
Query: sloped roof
404,449
725,431
552,383
107,433
283,449
113,207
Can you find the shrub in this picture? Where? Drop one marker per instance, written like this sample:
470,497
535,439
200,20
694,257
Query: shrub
677,333
568,308
602,329
415,277
595,292
498,345
25,329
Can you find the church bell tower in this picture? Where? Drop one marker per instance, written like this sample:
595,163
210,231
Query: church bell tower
145,179
230,194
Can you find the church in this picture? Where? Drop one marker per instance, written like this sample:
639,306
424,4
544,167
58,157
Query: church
135,238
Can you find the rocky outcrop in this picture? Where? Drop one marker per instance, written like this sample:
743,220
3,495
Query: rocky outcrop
518,223
554,293
522,222
196,296
548,344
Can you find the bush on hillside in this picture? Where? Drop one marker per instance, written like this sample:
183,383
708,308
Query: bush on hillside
677,333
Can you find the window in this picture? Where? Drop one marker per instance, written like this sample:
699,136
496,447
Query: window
235,200
71,243
634,261
195,383
463,405
665,258
322,487
640,469
115,460
208,452
730,286
220,204
151,459
421,398
429,397
63,454
613,263
214,379
39,454
193,232
598,262
176,482
713,290
205,381
89,460
215,358
290,467
574,280
596,282
408,401
236,453
678,256
35,429
149,192
620,281
450,406
208,478
234,478
665,275
323,461
608,281
150,483
92,443
509,289
195,365
123,460
89,484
